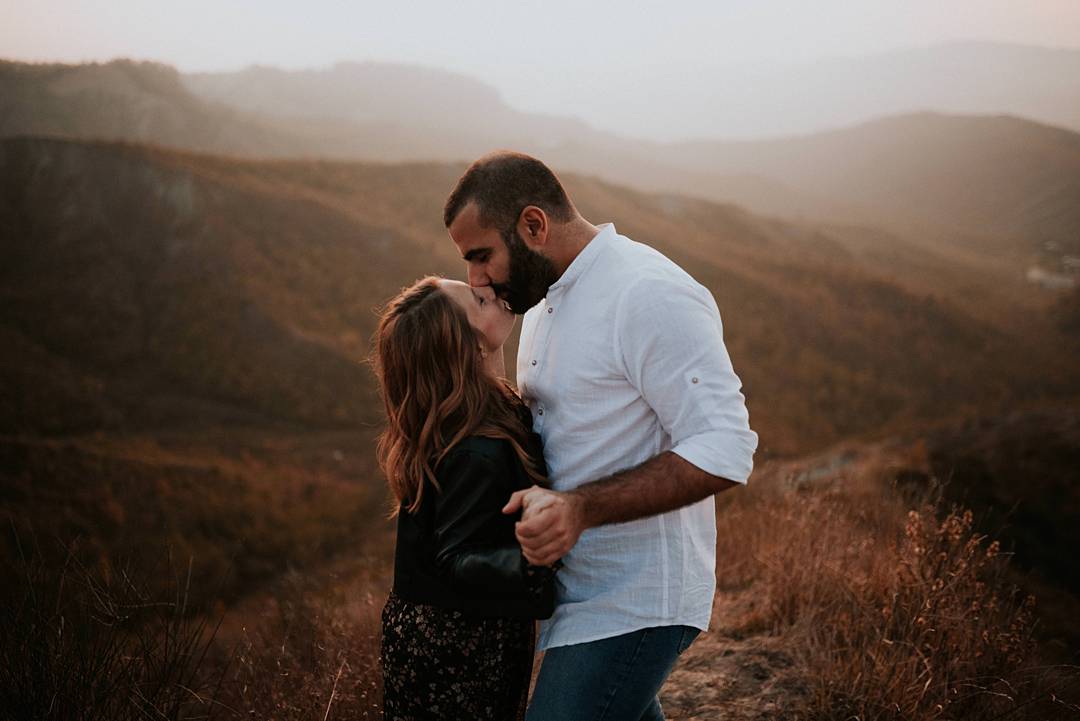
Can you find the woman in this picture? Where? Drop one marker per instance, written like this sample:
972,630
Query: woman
458,628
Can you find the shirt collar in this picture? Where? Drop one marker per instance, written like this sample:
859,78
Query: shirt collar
585,258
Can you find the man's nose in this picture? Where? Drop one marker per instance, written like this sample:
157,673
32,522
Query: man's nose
477,277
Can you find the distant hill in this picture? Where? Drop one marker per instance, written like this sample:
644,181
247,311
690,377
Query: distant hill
987,175
353,111
1002,184
143,288
126,100
738,102
383,96
1002,177
146,288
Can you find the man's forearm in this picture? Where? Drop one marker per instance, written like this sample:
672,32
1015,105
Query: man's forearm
552,521
660,484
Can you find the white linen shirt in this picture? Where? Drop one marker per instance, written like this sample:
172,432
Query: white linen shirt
625,359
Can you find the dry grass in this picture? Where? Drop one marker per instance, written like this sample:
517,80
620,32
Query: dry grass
311,652
896,607
97,643
892,606
244,507
94,643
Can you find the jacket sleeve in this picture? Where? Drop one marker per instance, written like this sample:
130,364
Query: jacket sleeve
467,507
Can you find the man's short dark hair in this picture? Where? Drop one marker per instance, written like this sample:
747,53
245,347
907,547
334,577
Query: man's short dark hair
503,184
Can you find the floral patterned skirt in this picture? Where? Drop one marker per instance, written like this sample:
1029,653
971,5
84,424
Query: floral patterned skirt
443,664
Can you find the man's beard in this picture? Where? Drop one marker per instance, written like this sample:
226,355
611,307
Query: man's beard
531,274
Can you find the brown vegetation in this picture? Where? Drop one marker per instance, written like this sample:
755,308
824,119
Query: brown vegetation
245,506
844,592
310,650
885,603
81,642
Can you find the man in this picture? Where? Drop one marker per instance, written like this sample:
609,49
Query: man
622,361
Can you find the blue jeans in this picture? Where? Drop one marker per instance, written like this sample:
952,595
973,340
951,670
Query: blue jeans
613,679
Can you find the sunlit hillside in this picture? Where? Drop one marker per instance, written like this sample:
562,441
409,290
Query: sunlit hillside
172,290
198,326
1001,179
184,382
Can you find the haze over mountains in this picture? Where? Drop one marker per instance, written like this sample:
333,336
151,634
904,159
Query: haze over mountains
747,102
930,211
985,175
751,102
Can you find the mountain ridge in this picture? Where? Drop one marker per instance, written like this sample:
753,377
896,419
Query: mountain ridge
170,284
949,176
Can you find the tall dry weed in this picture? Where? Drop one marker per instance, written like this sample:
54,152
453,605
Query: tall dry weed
92,643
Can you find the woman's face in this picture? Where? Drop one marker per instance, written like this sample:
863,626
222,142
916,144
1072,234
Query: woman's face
488,315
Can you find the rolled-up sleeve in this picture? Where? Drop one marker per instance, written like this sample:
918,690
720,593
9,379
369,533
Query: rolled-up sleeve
671,342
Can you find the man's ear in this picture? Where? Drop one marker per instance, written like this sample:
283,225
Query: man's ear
533,226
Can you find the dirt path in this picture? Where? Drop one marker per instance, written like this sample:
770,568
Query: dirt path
733,673
726,674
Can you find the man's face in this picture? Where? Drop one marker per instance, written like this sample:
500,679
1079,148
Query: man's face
518,275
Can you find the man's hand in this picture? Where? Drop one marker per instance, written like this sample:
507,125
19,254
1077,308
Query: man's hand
550,525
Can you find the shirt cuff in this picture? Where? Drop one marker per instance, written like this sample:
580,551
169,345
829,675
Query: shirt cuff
722,454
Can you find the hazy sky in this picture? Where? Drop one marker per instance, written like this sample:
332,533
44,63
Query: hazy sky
554,56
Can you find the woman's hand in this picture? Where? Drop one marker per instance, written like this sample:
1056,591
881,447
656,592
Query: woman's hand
550,525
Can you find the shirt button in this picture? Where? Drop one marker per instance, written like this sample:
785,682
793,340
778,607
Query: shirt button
550,309
534,362
540,412
694,379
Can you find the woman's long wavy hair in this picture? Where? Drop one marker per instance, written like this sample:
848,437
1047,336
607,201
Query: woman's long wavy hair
436,390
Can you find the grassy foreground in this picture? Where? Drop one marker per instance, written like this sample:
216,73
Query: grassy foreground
890,604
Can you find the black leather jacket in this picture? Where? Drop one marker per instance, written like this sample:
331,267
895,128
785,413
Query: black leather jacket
458,549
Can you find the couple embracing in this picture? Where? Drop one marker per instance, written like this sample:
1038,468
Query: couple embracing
584,497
